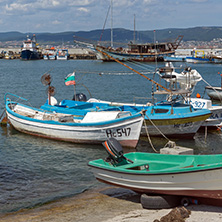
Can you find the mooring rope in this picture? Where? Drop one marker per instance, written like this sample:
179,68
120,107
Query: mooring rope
157,128
171,143
148,136
212,88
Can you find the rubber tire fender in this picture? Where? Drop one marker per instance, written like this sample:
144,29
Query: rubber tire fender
159,202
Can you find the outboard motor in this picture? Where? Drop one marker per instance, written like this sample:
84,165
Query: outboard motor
188,69
115,151
79,97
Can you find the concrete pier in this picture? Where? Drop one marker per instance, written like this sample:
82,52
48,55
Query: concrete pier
85,53
74,53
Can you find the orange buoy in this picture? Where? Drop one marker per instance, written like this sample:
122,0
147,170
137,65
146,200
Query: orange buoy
198,95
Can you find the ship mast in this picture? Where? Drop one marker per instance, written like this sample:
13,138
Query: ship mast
111,23
134,34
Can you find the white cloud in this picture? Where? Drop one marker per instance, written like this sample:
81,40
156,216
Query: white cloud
80,2
90,14
56,22
83,9
199,1
147,1
16,6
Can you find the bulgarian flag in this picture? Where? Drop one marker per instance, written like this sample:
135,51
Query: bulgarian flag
70,79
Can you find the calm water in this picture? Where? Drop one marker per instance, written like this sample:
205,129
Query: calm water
34,171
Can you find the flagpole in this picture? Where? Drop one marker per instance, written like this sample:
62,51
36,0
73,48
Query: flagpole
74,91
49,96
74,87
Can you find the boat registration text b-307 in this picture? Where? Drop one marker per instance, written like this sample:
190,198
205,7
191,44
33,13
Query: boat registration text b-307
118,132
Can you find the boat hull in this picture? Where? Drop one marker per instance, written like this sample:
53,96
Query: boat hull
62,57
148,174
49,57
214,92
178,121
29,55
198,60
125,130
181,185
130,56
174,128
175,58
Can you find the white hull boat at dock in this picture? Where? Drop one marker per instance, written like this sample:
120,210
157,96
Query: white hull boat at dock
215,119
178,120
214,92
93,128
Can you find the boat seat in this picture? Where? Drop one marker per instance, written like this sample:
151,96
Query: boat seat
152,166
24,111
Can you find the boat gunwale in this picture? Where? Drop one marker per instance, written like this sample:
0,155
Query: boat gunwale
189,168
138,116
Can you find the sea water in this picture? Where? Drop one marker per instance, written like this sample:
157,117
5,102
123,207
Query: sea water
33,170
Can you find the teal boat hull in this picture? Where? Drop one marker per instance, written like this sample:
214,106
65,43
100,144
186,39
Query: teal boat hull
183,175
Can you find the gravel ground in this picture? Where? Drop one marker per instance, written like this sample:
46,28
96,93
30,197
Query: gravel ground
109,204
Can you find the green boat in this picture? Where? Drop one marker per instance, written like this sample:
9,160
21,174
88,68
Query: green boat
183,175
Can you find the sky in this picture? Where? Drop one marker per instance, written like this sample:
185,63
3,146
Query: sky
85,15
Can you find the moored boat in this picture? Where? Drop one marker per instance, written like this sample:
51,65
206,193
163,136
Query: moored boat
188,79
182,175
215,119
29,49
148,52
173,120
175,58
142,52
94,127
62,54
214,92
9,55
50,54
199,56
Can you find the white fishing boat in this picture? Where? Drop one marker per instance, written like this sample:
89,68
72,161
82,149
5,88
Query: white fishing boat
182,175
199,56
214,92
49,54
175,58
94,127
62,54
217,56
188,79
173,119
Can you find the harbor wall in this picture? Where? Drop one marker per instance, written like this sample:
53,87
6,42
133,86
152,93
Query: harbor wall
75,53
85,53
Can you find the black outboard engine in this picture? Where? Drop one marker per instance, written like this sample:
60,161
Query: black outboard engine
188,69
79,97
115,151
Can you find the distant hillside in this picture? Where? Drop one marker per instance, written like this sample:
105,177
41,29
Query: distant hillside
121,35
